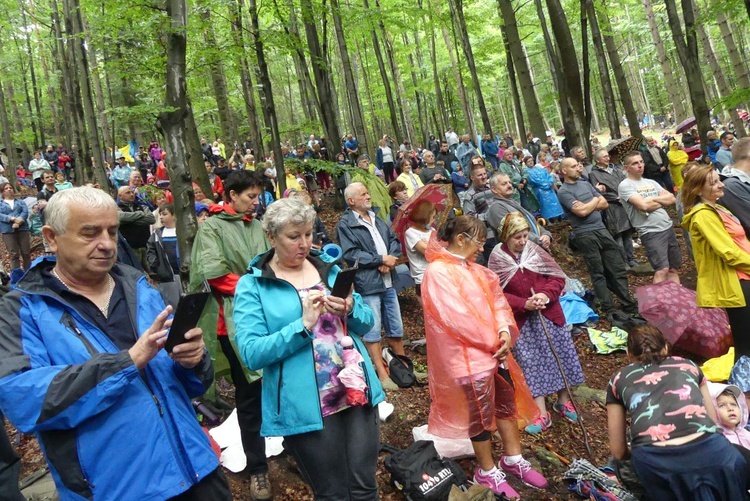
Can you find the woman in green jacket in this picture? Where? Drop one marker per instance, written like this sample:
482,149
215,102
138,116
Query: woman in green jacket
722,252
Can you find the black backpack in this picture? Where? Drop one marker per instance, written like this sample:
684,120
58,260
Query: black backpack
419,473
401,369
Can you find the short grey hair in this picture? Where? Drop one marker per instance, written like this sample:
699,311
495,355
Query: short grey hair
600,153
287,211
349,191
495,179
57,211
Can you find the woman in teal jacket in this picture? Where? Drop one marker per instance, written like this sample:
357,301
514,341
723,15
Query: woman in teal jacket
288,325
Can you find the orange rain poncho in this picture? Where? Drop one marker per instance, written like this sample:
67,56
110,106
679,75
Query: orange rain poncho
464,309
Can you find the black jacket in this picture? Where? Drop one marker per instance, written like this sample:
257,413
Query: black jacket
158,262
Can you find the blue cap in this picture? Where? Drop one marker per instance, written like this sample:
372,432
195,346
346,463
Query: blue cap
199,207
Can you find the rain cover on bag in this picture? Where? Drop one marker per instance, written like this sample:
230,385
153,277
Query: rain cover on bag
533,258
464,310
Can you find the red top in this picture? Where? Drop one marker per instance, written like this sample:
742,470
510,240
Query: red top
518,290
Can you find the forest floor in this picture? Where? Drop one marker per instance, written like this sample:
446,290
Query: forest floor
412,405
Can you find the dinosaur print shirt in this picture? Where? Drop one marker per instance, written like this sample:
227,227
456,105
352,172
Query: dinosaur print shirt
663,399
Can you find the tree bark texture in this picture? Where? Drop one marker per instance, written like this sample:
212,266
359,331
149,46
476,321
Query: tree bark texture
266,94
173,126
246,80
738,62
510,64
608,94
457,9
686,44
460,88
8,144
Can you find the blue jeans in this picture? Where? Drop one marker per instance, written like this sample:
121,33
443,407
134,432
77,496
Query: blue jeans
340,461
387,313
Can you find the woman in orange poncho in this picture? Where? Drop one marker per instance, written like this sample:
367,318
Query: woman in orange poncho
469,329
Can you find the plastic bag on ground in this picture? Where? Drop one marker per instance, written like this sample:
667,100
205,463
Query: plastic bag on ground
445,447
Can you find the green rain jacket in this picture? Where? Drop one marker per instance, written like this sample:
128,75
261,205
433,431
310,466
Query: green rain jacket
225,244
377,189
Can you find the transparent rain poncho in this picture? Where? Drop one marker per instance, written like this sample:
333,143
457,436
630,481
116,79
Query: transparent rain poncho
533,258
464,309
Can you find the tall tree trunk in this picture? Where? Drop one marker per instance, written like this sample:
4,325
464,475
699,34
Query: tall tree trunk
308,98
670,79
377,129
266,94
246,80
95,156
10,146
515,55
457,11
622,82
468,116
196,163
320,72
358,122
173,126
738,63
718,73
34,88
442,111
218,80
608,94
510,65
421,103
386,83
18,124
687,50
66,93
96,81
398,82
33,117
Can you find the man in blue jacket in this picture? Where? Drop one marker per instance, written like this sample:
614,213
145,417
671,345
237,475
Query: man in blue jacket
83,367
367,241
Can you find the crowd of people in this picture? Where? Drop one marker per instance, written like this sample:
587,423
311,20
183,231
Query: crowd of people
83,332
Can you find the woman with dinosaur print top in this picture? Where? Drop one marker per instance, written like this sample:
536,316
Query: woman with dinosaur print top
677,450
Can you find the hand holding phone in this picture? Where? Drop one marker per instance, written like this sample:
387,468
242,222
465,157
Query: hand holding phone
344,282
186,317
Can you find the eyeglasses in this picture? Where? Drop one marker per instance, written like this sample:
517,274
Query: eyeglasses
478,243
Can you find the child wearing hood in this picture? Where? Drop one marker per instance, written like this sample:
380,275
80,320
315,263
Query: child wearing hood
731,412
460,183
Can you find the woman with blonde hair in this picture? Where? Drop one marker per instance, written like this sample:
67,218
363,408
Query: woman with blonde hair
721,251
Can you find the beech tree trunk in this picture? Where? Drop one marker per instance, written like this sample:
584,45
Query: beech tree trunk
173,126
671,79
66,93
95,156
34,88
17,121
320,72
457,10
218,80
442,111
266,95
687,50
358,122
459,83
738,62
386,83
8,144
622,82
608,95
246,80
509,63
96,81
515,55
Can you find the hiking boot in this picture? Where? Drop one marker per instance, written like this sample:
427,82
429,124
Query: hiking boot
539,425
523,471
567,411
260,487
495,481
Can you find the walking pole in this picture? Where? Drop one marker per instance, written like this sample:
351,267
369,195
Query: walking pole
567,385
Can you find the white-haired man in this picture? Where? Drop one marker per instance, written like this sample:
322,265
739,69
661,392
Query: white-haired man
84,368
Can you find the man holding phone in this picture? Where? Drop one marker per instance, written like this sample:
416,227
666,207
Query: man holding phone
81,340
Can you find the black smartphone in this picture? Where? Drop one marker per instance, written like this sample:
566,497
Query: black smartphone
186,317
344,282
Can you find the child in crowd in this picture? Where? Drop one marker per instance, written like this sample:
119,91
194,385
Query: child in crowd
60,182
732,413
460,183
675,449
163,256
399,194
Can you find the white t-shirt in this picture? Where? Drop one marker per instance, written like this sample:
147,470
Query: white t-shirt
644,222
10,202
417,261
387,154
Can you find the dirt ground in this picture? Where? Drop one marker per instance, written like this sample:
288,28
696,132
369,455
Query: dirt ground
412,405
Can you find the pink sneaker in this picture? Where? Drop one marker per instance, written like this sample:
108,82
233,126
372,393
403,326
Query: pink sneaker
525,473
495,481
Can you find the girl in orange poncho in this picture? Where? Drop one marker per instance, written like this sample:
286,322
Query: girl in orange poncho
469,329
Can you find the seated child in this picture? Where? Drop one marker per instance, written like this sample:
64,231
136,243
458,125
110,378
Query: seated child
60,182
732,413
